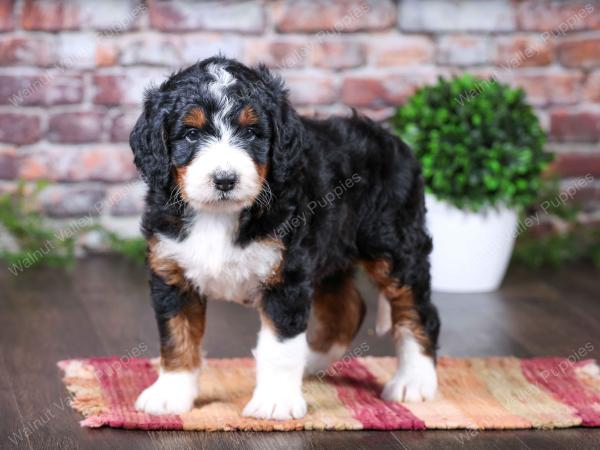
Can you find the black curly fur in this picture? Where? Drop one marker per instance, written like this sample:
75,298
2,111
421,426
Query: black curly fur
380,216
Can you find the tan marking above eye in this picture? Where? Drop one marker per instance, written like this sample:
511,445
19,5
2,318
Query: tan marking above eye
247,116
195,117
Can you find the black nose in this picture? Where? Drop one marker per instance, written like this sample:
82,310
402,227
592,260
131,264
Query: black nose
224,180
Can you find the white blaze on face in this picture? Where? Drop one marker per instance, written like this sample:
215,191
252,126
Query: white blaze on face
218,89
222,153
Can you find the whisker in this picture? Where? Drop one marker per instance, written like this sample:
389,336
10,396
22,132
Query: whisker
266,196
174,197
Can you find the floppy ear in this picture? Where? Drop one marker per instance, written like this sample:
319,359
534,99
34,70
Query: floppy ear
287,130
148,142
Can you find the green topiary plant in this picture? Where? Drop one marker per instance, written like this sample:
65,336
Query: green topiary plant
479,142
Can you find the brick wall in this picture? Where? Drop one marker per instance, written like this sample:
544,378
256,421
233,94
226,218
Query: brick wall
73,72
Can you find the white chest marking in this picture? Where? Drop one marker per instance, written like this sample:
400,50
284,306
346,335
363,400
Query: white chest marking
220,269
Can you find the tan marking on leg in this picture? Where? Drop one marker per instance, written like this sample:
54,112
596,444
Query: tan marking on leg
402,303
336,316
181,351
186,330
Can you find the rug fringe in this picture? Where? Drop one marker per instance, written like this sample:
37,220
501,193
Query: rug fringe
82,383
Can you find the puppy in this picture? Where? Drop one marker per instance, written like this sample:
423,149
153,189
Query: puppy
249,202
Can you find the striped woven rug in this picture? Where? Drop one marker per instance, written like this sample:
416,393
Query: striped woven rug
474,393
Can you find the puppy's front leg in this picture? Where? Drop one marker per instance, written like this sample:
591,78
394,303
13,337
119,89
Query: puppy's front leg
280,355
180,314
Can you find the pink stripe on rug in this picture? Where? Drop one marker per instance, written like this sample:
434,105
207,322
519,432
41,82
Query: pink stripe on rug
359,391
121,382
557,376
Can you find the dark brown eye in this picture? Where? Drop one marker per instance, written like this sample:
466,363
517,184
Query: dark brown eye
192,135
250,134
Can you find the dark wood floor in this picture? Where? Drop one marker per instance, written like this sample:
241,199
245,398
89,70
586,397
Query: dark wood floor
101,308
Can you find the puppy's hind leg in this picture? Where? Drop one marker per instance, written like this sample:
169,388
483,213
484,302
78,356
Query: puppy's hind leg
336,315
415,327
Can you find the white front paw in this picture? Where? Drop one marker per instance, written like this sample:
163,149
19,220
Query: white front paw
275,405
415,383
172,393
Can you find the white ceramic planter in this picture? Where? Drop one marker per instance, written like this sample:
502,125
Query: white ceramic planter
471,251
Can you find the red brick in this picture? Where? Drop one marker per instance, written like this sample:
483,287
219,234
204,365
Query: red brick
7,15
8,165
523,51
122,125
107,54
401,50
363,91
278,54
75,127
63,201
50,15
245,17
556,15
549,88
339,55
462,50
580,52
575,126
47,89
311,90
19,128
30,50
335,16
379,92
577,164
110,89
109,163
592,87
